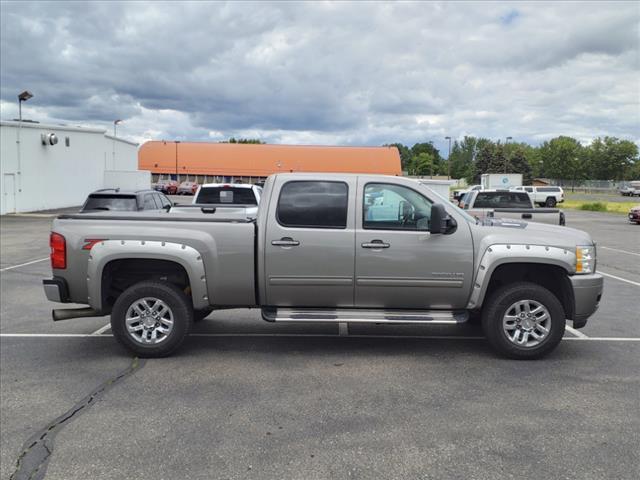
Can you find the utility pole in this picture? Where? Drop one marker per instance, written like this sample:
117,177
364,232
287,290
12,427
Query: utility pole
449,159
177,142
23,97
505,153
113,150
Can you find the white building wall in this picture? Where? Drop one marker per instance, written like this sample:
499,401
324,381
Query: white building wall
57,176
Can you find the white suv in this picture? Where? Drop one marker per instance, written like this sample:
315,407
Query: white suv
543,196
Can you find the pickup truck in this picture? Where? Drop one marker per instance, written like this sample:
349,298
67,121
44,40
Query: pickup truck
326,248
542,196
507,204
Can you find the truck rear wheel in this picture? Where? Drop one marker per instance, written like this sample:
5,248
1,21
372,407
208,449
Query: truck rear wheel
551,202
523,321
152,319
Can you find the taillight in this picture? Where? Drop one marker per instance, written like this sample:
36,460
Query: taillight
58,251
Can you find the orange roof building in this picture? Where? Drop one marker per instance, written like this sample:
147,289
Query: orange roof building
259,161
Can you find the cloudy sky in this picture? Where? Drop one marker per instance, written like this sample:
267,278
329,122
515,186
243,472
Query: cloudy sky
327,73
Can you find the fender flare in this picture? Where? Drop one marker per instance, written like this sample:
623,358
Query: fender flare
501,254
188,257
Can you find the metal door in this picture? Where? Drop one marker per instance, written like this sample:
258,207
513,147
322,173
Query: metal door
309,243
402,268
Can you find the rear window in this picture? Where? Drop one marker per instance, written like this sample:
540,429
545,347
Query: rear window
120,203
227,195
313,204
502,200
548,189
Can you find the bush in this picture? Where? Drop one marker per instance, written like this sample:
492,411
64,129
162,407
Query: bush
594,207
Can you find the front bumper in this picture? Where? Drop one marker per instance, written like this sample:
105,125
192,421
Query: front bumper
56,290
587,292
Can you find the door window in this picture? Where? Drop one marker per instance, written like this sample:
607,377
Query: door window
149,202
394,207
164,201
313,204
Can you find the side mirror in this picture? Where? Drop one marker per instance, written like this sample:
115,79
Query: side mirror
441,221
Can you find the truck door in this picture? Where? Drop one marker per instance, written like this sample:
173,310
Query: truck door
309,247
399,264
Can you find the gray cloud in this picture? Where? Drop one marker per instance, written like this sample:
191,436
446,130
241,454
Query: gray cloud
348,73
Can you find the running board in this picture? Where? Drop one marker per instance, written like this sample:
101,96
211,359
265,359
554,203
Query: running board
432,317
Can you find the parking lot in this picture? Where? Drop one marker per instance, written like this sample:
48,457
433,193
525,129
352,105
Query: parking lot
248,399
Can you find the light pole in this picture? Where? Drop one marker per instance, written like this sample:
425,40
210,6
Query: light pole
22,97
113,150
177,142
505,153
449,159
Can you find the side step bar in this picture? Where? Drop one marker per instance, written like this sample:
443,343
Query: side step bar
432,317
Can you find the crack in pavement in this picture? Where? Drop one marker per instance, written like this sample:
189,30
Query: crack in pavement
37,450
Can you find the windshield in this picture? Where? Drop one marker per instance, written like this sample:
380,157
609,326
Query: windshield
119,203
227,195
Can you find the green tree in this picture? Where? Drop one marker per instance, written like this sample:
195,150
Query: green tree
245,140
563,158
427,147
422,164
611,158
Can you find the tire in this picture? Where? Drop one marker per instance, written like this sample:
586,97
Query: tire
153,296
199,315
551,202
502,302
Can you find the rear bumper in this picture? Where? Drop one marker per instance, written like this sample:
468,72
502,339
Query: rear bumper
587,292
56,290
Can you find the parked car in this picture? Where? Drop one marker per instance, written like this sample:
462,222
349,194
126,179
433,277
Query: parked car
543,196
169,187
242,198
634,214
327,248
509,204
125,201
187,188
629,191
457,194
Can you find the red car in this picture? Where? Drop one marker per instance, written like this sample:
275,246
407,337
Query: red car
168,187
634,215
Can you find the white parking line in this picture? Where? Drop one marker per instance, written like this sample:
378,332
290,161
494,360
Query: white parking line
23,264
621,251
308,335
101,330
619,278
575,332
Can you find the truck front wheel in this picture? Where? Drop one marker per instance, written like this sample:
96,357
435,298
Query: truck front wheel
523,321
151,319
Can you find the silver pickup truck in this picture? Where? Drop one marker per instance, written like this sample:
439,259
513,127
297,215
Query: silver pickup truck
506,204
326,248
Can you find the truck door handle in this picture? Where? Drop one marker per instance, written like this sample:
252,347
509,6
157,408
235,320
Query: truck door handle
285,242
376,244
526,215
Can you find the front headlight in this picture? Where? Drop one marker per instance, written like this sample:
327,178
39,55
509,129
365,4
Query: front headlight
586,259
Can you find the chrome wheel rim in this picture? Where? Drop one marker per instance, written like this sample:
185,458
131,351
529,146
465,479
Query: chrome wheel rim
149,321
526,323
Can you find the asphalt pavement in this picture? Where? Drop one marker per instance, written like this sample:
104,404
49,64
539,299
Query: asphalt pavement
248,399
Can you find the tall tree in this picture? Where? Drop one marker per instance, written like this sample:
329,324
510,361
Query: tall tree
563,158
422,164
611,158
428,148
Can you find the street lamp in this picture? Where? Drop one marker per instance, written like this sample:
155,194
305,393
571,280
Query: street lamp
449,159
22,97
113,149
505,153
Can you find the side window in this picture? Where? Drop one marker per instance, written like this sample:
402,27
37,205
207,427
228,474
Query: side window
528,189
162,200
149,202
394,207
313,204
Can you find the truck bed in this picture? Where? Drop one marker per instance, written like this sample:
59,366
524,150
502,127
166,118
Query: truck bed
226,246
